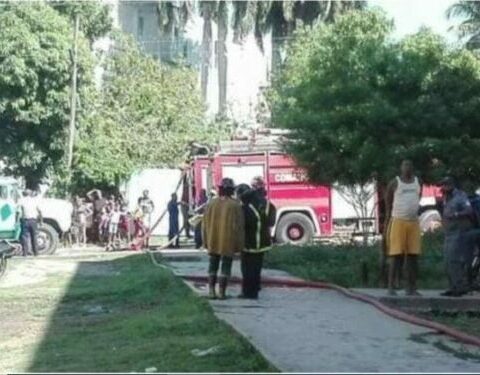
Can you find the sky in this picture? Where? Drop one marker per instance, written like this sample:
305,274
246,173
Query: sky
410,15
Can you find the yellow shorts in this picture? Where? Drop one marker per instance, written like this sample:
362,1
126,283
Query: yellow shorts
403,237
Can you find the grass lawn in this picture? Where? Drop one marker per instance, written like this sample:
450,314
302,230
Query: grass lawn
116,315
466,322
354,266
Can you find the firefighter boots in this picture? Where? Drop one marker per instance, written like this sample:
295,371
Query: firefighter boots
223,282
212,281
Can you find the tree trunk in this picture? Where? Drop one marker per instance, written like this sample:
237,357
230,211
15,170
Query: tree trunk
222,31
206,48
277,46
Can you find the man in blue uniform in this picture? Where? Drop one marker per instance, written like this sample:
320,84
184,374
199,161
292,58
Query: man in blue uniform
458,246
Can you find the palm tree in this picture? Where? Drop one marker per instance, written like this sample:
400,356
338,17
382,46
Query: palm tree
172,19
222,32
218,12
173,16
470,26
207,11
281,18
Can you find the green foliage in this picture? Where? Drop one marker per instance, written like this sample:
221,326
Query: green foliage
35,68
357,102
95,20
469,27
144,116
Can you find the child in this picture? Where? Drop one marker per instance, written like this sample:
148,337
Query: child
103,225
113,226
124,226
81,213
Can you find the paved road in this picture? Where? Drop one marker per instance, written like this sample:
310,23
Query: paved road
323,331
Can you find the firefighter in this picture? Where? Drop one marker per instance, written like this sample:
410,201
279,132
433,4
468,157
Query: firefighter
458,246
258,223
223,230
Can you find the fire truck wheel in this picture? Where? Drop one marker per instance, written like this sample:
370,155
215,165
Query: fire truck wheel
294,228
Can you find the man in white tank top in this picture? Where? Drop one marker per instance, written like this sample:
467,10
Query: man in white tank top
403,233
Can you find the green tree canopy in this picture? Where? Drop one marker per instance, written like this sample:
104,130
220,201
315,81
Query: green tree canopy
144,116
95,19
35,73
357,102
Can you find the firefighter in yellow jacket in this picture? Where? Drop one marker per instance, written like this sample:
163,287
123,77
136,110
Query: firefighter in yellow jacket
223,230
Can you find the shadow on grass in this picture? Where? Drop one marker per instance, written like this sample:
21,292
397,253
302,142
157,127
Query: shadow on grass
127,315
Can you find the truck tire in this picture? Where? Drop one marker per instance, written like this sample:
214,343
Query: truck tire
295,229
47,239
430,220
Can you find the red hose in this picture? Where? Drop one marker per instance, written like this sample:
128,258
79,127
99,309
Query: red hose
400,315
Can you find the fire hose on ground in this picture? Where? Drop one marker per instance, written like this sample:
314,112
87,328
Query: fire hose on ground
290,283
394,313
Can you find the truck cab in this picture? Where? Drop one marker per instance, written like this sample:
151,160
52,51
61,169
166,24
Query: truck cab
56,213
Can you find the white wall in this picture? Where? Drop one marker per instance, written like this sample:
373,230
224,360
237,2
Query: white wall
248,68
161,183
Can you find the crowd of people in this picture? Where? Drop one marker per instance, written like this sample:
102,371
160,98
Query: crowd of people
108,221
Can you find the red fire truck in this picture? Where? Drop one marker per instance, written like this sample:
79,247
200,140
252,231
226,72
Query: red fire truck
304,210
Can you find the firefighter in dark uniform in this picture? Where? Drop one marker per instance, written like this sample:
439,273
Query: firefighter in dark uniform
458,246
259,218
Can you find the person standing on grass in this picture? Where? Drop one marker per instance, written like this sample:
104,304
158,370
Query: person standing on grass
173,226
258,223
404,239
113,222
146,206
459,244
31,216
81,212
99,203
223,233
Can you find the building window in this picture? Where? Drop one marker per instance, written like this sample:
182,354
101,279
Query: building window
140,26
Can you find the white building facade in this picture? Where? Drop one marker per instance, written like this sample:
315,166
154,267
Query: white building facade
248,69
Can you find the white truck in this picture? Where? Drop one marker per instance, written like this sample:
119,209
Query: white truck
57,217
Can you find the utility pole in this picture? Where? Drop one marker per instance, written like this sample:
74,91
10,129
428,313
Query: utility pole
73,100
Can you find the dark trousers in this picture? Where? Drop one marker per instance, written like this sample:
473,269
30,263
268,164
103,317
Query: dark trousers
222,262
29,234
458,250
198,236
173,231
186,223
251,265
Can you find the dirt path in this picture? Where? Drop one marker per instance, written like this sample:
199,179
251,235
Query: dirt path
323,331
24,271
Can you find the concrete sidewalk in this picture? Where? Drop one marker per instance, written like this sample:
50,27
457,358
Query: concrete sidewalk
306,330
